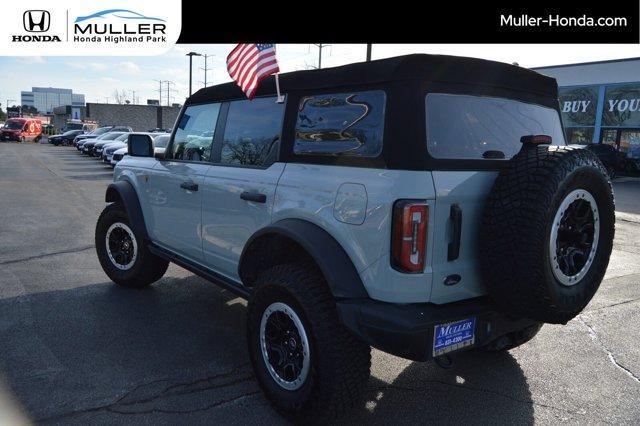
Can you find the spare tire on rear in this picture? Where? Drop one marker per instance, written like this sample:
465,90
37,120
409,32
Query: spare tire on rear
547,233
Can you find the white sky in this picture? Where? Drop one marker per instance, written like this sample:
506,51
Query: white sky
99,77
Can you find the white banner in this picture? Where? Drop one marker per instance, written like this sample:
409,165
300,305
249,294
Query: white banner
89,27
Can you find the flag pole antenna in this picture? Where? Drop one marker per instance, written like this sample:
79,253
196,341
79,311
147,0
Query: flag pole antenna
280,98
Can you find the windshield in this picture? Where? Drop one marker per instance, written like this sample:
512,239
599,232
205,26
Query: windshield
14,125
109,136
71,132
122,138
100,130
161,141
475,127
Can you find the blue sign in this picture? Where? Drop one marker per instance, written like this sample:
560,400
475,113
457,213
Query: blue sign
452,336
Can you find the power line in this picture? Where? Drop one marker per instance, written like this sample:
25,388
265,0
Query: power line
159,91
206,69
169,90
320,46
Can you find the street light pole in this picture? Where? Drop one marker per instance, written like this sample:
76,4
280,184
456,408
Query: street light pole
191,55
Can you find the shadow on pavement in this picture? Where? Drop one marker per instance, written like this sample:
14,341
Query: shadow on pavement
98,176
179,347
87,168
480,389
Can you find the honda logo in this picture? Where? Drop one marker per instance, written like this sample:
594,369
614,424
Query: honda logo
36,21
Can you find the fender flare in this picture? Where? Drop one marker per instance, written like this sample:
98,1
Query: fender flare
332,260
124,192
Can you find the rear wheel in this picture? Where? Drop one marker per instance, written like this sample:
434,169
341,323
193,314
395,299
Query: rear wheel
124,256
306,363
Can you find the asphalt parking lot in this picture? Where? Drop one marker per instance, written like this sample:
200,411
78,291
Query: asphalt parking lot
74,348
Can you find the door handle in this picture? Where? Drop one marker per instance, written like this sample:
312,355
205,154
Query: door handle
189,185
453,250
256,197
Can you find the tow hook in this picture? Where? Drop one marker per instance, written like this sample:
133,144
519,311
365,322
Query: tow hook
444,361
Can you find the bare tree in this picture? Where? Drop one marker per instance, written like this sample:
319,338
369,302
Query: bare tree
120,96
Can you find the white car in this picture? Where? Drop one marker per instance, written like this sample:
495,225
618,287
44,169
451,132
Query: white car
160,143
117,155
114,152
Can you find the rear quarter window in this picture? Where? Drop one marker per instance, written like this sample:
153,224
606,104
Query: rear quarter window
341,124
252,132
476,127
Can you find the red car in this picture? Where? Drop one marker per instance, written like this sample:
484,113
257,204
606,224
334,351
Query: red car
21,129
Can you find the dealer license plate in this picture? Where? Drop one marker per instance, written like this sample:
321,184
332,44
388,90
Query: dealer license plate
452,336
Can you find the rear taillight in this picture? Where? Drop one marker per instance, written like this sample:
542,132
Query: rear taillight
408,245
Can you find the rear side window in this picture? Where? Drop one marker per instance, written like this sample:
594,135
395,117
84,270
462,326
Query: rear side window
194,135
475,127
341,124
252,133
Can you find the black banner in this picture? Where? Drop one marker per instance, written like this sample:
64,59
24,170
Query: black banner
425,22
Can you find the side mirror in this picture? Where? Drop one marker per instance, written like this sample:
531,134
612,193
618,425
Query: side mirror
159,154
139,145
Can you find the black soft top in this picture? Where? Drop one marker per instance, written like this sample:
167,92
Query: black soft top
422,67
406,80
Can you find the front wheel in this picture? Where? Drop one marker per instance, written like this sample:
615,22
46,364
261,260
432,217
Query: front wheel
124,256
306,363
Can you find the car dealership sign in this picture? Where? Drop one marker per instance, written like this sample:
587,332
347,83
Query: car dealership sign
579,105
66,27
620,106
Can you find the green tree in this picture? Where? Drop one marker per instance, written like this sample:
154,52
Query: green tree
27,109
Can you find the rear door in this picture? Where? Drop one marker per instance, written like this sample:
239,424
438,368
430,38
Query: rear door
239,189
474,132
174,195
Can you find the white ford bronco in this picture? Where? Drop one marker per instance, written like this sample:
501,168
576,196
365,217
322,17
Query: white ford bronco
423,205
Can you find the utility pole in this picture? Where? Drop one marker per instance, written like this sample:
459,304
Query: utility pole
368,52
320,47
206,68
169,83
159,91
190,55
133,97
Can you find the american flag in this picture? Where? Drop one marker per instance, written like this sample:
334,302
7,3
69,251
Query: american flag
249,64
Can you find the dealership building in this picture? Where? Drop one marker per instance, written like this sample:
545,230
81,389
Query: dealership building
45,99
600,102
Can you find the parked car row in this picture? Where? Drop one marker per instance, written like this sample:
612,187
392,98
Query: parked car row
109,143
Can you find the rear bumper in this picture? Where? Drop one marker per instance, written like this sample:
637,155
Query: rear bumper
406,330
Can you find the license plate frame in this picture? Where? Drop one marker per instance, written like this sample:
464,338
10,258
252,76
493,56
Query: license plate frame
452,336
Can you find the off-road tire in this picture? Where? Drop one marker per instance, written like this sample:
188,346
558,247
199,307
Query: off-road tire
147,269
512,340
516,231
339,363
